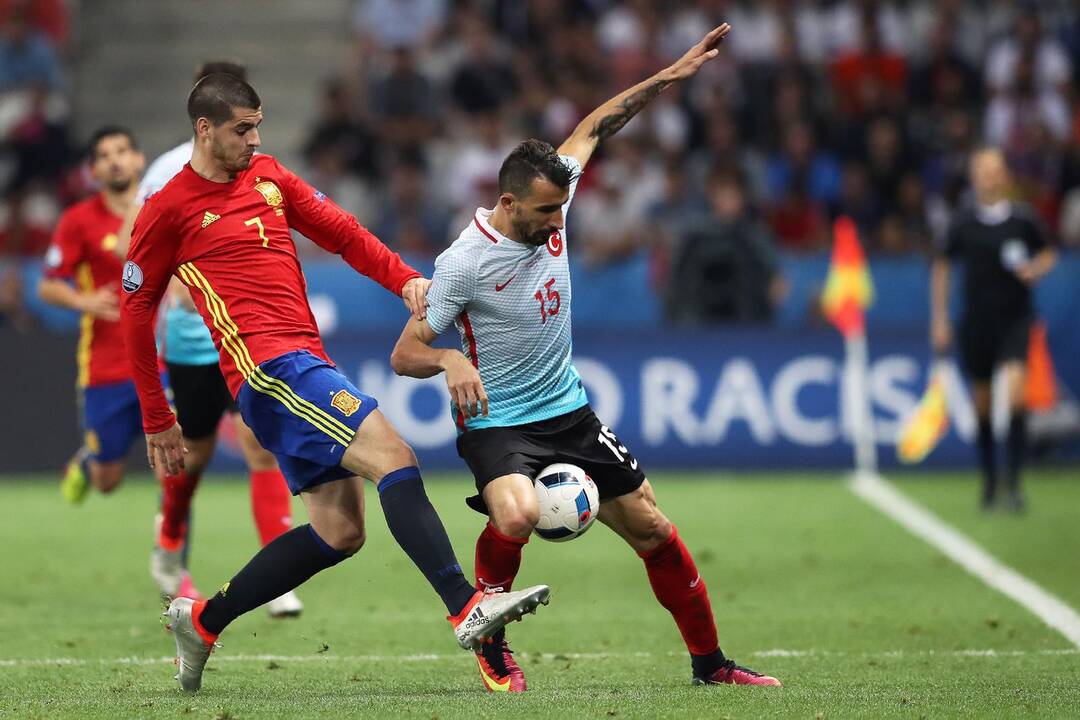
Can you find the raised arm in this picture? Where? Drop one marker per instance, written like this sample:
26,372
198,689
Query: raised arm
413,356
610,117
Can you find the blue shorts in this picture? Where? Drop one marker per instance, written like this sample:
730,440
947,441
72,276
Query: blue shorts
303,410
111,420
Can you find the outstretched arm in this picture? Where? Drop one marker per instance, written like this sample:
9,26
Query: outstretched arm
610,117
327,225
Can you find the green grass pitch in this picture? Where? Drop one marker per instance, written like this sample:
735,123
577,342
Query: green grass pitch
856,617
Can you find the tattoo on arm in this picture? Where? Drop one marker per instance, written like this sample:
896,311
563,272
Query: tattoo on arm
611,123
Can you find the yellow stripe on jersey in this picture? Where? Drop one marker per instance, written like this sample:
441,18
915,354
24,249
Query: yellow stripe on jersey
230,333
255,376
84,279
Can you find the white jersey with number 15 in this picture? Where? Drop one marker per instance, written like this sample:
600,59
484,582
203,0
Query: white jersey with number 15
511,305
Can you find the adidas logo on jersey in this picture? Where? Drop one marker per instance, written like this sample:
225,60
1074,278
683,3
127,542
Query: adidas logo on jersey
208,218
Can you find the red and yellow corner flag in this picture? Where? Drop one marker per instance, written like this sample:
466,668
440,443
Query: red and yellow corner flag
927,425
848,289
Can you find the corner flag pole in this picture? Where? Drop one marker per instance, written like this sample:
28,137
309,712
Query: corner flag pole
856,374
848,292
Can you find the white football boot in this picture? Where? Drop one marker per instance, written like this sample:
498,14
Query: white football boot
487,613
192,650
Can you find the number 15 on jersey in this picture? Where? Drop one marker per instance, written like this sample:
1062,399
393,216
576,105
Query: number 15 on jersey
549,303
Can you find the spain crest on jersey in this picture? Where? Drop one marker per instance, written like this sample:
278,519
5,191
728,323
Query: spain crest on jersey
270,191
346,402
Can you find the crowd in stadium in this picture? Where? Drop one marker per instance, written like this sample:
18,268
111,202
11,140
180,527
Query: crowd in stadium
816,108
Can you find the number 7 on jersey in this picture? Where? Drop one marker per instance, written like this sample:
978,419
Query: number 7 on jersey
257,222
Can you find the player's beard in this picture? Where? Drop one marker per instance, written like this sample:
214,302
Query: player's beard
231,165
535,238
120,185
244,161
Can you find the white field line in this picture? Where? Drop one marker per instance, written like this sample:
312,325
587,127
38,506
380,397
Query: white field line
920,522
328,658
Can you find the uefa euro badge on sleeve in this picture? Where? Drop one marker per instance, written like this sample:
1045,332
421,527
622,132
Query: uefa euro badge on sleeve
133,277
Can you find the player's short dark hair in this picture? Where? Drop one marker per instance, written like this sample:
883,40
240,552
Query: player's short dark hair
108,131
528,161
215,96
213,67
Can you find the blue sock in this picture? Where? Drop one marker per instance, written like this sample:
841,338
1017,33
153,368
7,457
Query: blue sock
418,530
284,564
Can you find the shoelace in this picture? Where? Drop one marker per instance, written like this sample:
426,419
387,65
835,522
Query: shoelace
498,652
729,667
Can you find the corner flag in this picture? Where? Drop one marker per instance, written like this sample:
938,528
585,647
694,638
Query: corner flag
848,288
927,425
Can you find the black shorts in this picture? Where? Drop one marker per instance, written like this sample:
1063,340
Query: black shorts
985,344
578,437
201,397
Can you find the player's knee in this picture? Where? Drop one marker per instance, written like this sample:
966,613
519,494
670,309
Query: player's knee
516,521
661,529
648,526
403,455
348,540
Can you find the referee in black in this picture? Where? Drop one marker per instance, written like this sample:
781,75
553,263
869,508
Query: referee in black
1003,251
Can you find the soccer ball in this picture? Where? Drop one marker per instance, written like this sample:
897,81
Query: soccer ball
568,502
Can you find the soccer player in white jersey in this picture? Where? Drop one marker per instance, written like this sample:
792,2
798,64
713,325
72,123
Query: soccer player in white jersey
201,398
517,398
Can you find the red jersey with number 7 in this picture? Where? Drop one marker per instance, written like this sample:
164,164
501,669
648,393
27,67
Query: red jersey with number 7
231,244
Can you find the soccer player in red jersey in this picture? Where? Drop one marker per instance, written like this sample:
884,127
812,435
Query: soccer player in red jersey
521,405
223,226
200,398
83,252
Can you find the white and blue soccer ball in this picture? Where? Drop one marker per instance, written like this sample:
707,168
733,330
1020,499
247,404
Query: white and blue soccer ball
568,500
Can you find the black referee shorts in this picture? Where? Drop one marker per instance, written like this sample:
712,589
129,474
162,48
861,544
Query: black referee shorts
200,396
987,343
578,437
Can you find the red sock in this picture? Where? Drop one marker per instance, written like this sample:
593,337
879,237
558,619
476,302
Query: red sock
270,504
498,558
196,619
177,491
680,589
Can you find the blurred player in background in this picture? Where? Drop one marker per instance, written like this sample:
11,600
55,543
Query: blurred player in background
224,226
84,252
200,397
505,283
1003,252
